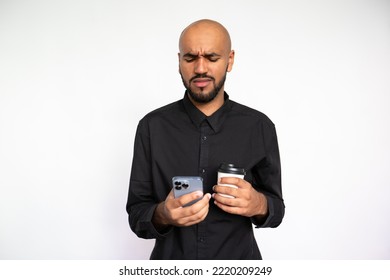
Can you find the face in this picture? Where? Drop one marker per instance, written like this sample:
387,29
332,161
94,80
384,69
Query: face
204,59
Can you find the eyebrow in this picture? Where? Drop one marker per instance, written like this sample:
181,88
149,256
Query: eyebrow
207,55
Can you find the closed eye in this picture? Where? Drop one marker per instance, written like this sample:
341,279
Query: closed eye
212,57
190,57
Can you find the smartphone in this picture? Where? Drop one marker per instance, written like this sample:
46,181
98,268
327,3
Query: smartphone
187,184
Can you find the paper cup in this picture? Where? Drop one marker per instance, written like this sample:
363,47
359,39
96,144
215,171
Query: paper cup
229,170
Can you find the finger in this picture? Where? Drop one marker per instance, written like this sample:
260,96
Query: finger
229,209
226,190
227,200
180,216
204,202
195,218
194,213
171,202
197,206
187,198
241,183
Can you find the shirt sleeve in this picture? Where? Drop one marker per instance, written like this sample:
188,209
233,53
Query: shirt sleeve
142,201
267,178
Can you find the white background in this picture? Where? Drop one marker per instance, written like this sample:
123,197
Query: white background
76,76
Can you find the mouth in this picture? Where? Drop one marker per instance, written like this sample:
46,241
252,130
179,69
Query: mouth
202,82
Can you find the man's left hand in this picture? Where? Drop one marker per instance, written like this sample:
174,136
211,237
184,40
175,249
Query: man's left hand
244,200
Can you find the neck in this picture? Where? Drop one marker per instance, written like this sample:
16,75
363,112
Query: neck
211,107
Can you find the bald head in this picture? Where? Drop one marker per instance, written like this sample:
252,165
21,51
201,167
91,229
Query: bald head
205,57
199,34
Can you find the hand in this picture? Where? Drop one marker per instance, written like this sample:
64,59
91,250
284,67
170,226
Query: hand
246,200
172,212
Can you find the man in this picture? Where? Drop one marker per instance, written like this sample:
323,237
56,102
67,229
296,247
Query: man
192,137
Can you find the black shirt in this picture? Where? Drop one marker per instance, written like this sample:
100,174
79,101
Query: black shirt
179,140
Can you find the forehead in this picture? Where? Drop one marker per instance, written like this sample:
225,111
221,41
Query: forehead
203,39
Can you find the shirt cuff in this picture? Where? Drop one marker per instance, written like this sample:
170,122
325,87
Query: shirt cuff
266,221
157,234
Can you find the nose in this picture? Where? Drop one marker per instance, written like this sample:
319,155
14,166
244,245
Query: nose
201,66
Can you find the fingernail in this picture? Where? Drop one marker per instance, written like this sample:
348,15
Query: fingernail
199,194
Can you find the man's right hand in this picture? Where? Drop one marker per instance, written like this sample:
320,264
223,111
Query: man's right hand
172,212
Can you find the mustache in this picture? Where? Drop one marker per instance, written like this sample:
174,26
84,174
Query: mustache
201,76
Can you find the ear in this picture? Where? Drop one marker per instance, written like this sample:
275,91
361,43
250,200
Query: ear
230,61
178,56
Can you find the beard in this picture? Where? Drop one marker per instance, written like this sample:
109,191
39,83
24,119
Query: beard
204,97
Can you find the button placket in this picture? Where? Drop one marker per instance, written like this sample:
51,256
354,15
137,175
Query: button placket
203,166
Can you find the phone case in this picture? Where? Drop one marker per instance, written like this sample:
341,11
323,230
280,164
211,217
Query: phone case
187,184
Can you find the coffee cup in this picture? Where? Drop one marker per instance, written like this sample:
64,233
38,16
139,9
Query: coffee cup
229,170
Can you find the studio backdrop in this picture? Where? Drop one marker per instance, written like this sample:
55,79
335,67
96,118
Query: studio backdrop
77,76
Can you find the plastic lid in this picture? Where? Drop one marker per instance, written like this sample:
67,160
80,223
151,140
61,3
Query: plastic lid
230,168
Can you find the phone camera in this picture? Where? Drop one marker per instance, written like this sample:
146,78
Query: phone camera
178,185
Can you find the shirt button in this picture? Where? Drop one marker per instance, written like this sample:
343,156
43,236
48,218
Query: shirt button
201,239
204,138
203,170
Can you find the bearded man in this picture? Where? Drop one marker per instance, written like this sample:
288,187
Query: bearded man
192,137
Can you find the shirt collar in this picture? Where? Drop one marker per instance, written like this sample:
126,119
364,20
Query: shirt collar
215,120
